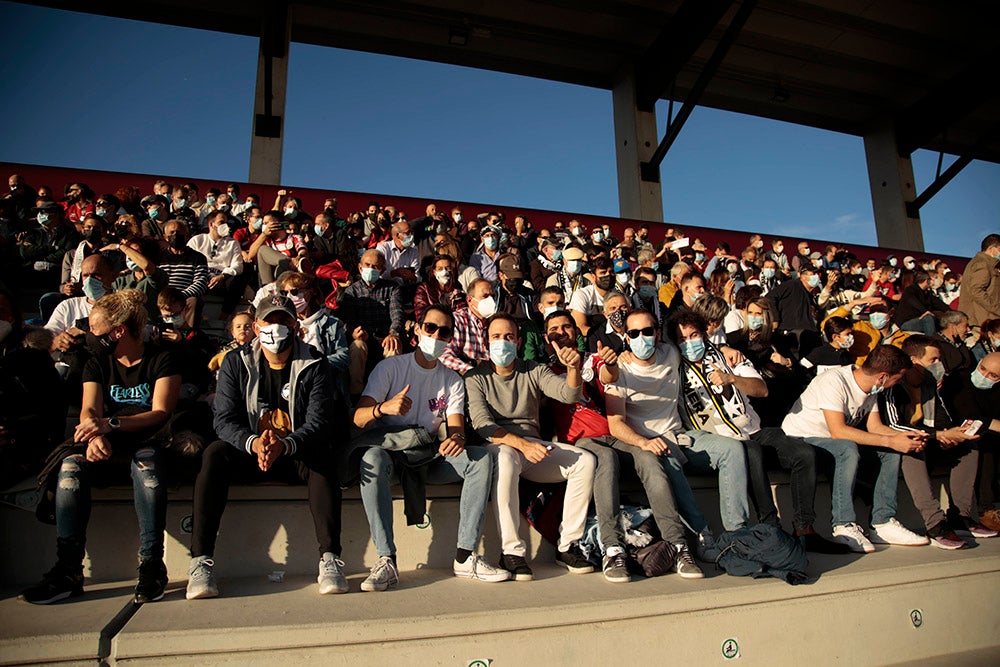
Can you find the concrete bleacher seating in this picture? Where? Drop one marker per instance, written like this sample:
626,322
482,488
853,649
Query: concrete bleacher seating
859,607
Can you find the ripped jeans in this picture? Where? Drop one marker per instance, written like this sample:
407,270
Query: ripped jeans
149,492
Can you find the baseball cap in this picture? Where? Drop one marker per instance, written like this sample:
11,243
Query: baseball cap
510,265
149,200
273,304
620,266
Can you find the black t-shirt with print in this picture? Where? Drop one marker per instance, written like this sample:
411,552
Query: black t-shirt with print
130,388
274,387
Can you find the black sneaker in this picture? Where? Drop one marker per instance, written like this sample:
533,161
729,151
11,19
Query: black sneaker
57,584
517,566
574,560
152,581
816,543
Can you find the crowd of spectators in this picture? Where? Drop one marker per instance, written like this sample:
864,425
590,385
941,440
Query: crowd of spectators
656,348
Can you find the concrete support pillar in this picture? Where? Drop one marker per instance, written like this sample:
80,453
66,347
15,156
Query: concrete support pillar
267,142
891,179
635,141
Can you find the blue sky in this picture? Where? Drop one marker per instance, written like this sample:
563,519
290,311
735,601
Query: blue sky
98,93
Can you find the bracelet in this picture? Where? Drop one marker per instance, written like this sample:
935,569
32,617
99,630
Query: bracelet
378,409
458,436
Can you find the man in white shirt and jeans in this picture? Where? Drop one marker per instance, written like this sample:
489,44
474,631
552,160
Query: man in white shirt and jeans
837,413
409,398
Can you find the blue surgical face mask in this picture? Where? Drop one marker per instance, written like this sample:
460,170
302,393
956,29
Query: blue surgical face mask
154,213
408,241
937,371
93,287
878,320
210,200
597,236
490,243
573,267
876,389
699,257
502,352
101,212
643,347
767,273
291,212
755,322
180,203
980,381
557,255
697,295
369,275
655,266
257,225
319,230
814,280
694,349
647,291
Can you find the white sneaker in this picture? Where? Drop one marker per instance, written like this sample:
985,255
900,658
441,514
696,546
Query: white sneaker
201,579
331,577
383,576
706,549
475,567
893,532
852,535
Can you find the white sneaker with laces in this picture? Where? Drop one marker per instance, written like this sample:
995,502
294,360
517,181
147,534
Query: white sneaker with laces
852,535
893,532
383,576
475,567
331,577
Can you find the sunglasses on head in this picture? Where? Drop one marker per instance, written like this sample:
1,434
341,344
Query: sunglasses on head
432,328
645,331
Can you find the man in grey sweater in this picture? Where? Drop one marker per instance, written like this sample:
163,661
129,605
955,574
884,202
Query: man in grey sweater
504,398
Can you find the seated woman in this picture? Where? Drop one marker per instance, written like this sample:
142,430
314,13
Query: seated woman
318,326
130,388
440,287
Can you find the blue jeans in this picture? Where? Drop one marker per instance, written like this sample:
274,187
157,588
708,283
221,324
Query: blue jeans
845,469
149,492
474,467
717,452
926,325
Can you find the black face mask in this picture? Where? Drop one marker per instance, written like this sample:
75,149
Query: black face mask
618,318
177,241
92,235
512,284
101,346
605,282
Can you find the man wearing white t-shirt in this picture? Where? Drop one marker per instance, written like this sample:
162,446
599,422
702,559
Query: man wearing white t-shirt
408,399
836,413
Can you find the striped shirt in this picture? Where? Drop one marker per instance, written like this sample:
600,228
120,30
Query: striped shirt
187,271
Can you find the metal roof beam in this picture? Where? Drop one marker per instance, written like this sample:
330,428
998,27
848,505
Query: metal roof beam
677,42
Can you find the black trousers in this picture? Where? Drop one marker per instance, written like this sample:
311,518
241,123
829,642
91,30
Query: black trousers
222,463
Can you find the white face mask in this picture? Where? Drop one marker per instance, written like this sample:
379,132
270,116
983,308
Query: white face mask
487,307
431,347
549,310
222,230
274,337
443,276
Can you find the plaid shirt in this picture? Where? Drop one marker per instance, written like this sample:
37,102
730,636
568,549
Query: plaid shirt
468,345
375,308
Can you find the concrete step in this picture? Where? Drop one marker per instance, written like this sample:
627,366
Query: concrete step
268,528
859,611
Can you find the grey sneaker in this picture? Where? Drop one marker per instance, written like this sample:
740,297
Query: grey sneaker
201,579
331,577
614,568
706,549
383,576
685,565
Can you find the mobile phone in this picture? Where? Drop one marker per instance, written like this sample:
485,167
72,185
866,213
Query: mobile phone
971,426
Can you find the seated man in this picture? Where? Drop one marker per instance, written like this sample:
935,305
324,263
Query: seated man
410,398
914,404
716,398
274,415
371,310
612,333
829,415
585,425
504,398
643,411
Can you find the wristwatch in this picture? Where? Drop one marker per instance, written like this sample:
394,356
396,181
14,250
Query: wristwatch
114,423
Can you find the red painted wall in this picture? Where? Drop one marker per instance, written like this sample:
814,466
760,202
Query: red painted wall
312,200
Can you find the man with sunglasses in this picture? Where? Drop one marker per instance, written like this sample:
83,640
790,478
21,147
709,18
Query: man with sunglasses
585,425
643,411
412,420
